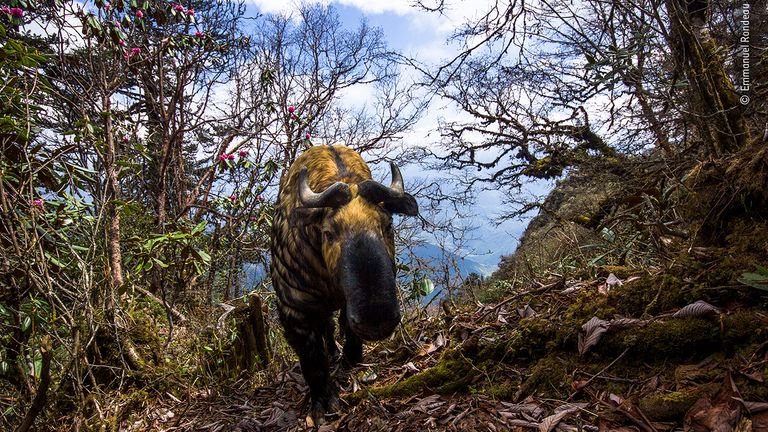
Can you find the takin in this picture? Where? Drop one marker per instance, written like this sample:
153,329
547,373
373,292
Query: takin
333,249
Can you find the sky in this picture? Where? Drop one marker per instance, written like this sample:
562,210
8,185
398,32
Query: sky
423,36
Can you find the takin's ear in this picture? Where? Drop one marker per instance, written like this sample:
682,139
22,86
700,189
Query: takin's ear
404,205
303,216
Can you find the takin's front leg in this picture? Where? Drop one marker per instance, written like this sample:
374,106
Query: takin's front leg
353,345
310,346
330,341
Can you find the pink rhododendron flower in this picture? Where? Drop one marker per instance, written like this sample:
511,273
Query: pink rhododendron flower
291,109
190,12
242,153
233,197
107,6
139,14
37,202
223,157
117,24
259,198
308,135
121,42
231,156
135,51
5,10
126,139
179,8
17,12
199,34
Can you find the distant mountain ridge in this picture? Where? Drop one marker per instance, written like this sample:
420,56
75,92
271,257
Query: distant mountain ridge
435,254
255,273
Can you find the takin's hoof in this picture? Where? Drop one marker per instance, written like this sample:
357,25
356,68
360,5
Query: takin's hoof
352,356
323,407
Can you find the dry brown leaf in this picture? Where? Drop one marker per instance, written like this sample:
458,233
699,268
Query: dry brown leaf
718,414
579,384
627,322
616,399
754,407
530,409
621,323
591,333
760,422
526,312
572,289
440,340
368,378
652,384
521,423
410,367
549,423
754,376
612,281
699,308
426,349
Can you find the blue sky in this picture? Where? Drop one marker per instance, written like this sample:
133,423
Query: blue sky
422,35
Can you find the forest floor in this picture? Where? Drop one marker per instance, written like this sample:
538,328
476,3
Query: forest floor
641,351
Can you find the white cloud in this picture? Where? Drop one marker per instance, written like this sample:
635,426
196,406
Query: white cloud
399,7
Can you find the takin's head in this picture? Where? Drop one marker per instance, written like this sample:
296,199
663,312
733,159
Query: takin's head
358,247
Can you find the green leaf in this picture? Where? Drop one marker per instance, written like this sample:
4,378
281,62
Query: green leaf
55,261
38,364
26,323
424,287
757,280
199,227
608,234
203,255
160,263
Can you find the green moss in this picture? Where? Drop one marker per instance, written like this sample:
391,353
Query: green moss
621,272
550,377
650,295
585,305
744,328
672,406
673,339
505,390
494,291
452,374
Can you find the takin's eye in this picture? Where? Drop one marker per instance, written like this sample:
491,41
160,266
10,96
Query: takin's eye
329,236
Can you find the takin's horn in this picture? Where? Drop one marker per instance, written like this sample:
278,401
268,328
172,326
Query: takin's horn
336,195
394,197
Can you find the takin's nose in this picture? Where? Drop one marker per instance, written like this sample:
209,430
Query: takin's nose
375,323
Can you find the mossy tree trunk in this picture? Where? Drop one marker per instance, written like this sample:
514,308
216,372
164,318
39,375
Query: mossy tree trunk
251,350
715,107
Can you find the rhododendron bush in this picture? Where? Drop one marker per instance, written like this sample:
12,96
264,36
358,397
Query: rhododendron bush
141,143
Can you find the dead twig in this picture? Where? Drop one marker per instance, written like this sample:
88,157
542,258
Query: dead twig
598,374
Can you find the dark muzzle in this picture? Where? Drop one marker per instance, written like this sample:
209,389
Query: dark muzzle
367,278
